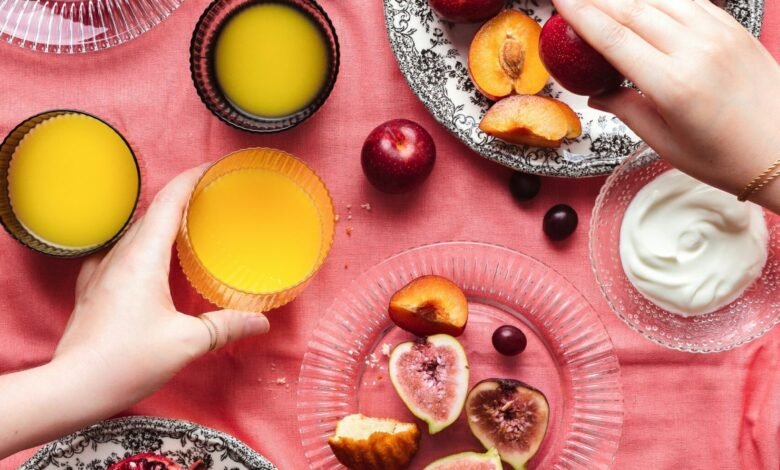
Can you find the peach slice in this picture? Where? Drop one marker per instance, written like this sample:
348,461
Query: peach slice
537,121
430,305
504,56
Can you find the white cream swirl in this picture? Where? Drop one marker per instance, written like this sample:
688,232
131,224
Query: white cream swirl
690,248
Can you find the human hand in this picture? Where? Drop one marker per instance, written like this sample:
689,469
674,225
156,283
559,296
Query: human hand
710,92
125,325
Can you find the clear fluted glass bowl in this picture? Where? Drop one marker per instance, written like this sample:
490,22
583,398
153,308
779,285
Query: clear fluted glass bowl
223,294
77,26
201,65
747,318
569,356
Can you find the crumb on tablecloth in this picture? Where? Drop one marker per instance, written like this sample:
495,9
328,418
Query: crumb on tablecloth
366,206
281,381
386,349
349,231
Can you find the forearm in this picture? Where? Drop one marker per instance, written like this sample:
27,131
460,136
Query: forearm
49,401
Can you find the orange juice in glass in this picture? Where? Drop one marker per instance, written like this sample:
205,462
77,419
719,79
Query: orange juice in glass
69,183
258,226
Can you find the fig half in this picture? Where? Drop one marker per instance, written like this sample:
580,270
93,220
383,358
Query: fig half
510,416
468,460
431,375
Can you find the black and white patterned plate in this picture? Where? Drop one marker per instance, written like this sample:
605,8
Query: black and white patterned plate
99,446
432,54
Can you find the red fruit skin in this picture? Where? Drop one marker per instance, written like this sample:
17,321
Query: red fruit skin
398,156
144,462
467,11
573,63
421,327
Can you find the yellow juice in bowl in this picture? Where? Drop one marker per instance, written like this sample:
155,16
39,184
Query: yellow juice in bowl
271,60
73,182
255,230
258,226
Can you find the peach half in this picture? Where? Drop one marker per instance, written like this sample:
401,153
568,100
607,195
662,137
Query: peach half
430,305
504,56
537,121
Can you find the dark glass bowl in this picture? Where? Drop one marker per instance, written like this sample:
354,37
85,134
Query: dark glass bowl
11,223
202,65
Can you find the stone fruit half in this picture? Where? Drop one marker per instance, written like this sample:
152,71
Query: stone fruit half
149,461
431,375
365,443
430,305
504,56
537,121
468,461
510,416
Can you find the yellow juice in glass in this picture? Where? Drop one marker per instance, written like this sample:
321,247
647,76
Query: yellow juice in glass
270,60
73,182
258,226
255,230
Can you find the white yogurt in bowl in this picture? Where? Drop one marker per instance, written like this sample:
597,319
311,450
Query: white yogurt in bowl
690,248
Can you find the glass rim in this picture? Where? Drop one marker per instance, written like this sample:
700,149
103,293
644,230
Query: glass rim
15,228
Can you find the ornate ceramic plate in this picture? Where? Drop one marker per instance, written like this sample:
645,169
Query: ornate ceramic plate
433,54
103,444
74,26
569,356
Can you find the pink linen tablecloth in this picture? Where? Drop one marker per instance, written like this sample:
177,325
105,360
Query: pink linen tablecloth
719,411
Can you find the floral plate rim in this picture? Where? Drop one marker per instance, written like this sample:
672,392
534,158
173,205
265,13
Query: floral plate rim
63,447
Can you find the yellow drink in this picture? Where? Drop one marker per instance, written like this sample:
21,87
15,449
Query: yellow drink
255,230
73,182
271,60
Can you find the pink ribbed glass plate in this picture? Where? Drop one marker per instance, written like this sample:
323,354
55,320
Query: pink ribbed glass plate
569,356
76,26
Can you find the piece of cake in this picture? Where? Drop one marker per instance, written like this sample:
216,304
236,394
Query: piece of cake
365,443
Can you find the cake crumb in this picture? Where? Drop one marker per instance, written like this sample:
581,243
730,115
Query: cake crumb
366,206
349,231
346,266
349,207
281,381
259,380
386,349
372,361
337,218
349,217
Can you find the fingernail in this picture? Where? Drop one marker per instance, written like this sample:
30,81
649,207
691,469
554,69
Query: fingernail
256,325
